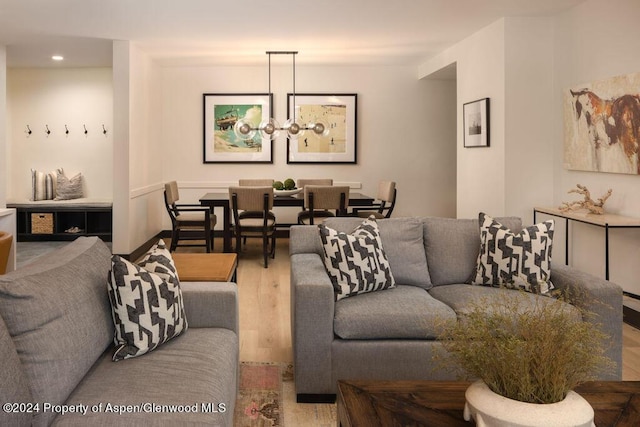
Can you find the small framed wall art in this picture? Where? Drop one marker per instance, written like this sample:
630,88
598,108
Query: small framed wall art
475,121
220,113
339,113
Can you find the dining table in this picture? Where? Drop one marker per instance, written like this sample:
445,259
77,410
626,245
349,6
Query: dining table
221,200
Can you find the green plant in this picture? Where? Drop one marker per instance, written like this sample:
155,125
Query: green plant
532,352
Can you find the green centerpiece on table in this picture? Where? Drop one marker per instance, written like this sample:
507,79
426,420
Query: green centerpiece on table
286,188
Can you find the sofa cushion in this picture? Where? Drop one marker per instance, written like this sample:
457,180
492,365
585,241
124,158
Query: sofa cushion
15,388
462,297
515,260
403,243
356,262
405,312
452,247
58,313
147,309
200,367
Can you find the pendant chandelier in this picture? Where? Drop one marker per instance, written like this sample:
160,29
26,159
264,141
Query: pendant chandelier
270,128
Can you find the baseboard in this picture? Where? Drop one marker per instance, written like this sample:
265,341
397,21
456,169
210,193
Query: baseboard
315,398
629,315
166,234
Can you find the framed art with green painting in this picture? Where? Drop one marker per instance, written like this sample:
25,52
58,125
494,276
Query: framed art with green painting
220,114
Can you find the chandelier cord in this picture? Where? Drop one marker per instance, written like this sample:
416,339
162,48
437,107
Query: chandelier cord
294,87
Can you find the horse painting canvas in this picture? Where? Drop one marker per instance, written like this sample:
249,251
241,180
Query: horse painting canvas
602,126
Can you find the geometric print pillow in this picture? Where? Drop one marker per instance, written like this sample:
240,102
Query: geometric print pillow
158,260
516,261
147,309
356,262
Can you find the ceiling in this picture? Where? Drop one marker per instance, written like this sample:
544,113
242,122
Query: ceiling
210,32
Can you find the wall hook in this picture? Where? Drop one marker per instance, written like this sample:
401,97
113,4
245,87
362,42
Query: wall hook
48,131
28,131
66,130
85,129
104,131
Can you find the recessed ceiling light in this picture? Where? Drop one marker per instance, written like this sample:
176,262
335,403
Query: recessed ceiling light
57,57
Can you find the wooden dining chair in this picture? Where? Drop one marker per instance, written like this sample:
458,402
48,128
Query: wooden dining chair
386,196
188,221
322,202
255,200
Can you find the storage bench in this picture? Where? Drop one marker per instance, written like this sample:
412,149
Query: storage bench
48,220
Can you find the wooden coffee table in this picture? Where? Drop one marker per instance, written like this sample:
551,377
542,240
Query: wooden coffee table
440,403
205,267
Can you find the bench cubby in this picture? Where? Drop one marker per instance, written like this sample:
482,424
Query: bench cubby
88,219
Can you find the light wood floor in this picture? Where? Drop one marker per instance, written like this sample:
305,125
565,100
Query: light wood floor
265,331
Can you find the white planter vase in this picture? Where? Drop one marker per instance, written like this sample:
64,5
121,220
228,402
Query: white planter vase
489,409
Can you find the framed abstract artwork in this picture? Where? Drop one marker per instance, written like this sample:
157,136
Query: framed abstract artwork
602,126
339,113
475,118
220,113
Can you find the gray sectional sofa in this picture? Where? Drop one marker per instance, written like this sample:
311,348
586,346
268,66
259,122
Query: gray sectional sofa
392,334
56,347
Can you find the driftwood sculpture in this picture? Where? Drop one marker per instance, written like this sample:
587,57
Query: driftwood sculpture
587,203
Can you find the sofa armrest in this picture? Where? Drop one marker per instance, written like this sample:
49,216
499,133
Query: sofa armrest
312,311
601,300
211,304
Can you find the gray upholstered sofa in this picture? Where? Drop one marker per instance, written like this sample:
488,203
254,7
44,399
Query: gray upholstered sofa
56,347
391,334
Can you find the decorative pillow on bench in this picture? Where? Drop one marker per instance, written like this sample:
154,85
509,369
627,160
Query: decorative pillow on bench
43,185
518,261
68,188
356,262
146,302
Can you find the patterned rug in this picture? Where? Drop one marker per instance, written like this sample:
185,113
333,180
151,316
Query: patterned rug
260,399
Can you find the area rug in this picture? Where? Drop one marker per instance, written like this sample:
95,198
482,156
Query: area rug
260,398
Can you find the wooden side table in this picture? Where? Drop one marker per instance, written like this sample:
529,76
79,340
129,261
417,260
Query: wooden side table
206,267
441,403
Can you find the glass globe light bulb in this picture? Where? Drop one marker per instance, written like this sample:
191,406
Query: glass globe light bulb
243,130
319,128
269,128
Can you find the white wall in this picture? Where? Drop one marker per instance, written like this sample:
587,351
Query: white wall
523,65
528,115
76,97
4,159
138,154
595,41
405,131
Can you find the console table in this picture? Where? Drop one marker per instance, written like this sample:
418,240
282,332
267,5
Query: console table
606,221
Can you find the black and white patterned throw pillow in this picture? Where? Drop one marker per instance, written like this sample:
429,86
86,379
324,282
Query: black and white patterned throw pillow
356,262
146,305
515,260
158,260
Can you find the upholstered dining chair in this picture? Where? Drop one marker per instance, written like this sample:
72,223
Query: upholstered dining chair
255,182
386,196
314,181
6,239
188,221
322,202
255,200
